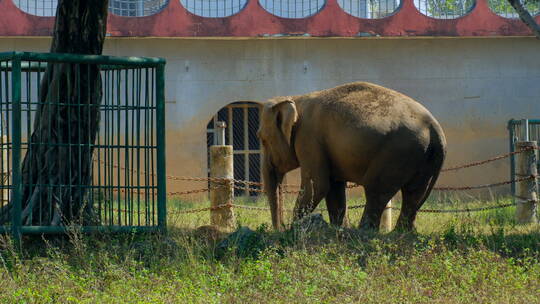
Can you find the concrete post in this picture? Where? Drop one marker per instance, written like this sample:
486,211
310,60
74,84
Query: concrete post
221,192
386,219
527,190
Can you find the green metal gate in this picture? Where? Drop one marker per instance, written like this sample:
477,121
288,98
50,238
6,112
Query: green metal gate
127,189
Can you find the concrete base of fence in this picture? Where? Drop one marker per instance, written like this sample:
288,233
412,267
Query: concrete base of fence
527,190
221,192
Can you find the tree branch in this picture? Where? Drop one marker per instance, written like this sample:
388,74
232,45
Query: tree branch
526,17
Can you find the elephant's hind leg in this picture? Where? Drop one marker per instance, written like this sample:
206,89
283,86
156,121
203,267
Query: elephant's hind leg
376,202
336,203
414,193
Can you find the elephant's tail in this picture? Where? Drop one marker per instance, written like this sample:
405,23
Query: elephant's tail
436,153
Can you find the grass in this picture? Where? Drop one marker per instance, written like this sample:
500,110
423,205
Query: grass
483,257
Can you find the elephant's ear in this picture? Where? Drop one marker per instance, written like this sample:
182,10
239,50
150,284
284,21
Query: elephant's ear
286,117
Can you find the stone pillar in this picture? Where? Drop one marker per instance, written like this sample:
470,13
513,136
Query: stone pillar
222,191
527,190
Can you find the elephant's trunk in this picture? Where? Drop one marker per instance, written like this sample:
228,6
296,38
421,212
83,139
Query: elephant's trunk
272,180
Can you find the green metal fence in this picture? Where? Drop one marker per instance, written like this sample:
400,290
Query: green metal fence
126,189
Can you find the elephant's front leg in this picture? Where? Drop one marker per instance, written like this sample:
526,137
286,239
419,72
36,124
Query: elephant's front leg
313,190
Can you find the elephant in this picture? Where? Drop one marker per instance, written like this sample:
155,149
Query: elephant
357,132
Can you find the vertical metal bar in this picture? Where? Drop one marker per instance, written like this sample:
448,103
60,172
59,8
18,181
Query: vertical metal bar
8,122
246,146
88,187
510,127
16,165
229,126
106,166
3,146
160,129
49,103
137,142
118,118
219,133
79,142
69,107
126,148
525,130
38,98
98,150
30,146
132,171
150,149
146,141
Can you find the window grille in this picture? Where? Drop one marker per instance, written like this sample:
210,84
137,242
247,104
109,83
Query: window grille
370,9
136,8
242,120
504,9
444,9
42,8
292,8
214,8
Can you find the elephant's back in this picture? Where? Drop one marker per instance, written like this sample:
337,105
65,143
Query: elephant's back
359,120
364,104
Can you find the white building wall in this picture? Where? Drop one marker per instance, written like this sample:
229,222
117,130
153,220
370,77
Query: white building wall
473,86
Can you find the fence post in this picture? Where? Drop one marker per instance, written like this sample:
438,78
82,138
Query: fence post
221,192
527,190
386,219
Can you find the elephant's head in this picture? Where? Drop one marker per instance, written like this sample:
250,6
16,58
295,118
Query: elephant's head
278,119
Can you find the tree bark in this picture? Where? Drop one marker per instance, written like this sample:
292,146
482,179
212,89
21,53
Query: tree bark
56,170
526,17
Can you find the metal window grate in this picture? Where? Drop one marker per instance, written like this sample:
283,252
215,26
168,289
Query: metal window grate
214,8
294,9
504,9
42,8
444,9
369,9
136,8
242,120
127,190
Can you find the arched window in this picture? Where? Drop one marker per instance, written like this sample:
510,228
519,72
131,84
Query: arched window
370,9
292,8
214,8
504,9
242,119
444,9
42,8
136,8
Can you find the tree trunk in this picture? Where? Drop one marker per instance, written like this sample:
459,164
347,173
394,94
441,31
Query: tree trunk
526,17
56,170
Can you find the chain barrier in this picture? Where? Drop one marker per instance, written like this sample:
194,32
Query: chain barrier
479,163
225,182
229,205
484,186
446,188
214,179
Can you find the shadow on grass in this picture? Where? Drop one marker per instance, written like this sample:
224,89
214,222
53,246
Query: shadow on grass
154,251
